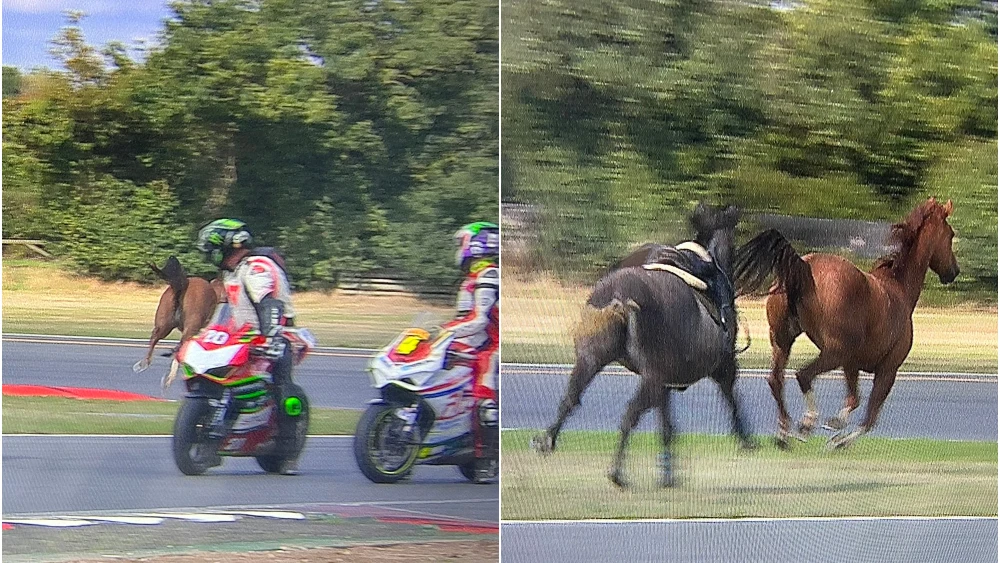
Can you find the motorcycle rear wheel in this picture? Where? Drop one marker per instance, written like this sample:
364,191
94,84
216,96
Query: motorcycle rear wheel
383,453
192,453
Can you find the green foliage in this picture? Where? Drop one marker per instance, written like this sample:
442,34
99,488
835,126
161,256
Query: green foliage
11,81
112,228
618,117
356,136
966,173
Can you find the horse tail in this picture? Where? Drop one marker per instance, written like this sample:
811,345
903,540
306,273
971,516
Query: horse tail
766,253
595,320
174,274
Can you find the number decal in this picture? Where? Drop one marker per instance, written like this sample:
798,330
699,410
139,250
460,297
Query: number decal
216,337
408,345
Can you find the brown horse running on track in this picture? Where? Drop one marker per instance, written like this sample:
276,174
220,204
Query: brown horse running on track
187,305
859,321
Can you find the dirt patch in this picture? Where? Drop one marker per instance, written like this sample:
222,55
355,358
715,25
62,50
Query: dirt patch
480,551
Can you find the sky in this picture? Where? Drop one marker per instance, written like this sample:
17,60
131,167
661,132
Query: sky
29,25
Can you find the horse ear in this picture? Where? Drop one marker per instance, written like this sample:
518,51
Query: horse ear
733,213
948,208
700,218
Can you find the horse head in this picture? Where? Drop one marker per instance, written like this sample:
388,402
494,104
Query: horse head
943,262
925,233
715,229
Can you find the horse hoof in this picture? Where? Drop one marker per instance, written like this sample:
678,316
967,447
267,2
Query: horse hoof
668,482
749,444
805,430
835,424
841,440
542,444
140,366
781,442
616,478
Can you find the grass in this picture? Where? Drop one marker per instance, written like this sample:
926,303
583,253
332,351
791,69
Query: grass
873,477
41,298
57,415
539,314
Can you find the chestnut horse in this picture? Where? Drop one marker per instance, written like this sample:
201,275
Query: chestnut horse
187,305
859,321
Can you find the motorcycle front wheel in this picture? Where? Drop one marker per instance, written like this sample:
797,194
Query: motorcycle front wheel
385,453
192,451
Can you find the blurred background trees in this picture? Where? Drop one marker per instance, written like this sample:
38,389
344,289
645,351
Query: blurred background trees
617,117
356,136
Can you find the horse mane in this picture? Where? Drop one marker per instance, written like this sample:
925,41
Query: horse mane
904,235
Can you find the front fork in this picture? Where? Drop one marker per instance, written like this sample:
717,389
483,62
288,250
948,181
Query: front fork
219,425
411,430
487,421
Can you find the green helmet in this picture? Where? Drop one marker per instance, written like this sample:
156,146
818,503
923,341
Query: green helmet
221,237
477,240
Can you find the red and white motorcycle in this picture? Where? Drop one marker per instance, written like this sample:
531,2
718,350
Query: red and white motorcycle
231,407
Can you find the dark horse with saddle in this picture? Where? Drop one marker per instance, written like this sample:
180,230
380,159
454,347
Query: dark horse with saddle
667,314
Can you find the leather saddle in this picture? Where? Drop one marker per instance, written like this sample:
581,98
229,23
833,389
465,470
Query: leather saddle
690,262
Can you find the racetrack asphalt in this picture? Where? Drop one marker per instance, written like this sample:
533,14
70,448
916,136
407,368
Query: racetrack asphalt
72,474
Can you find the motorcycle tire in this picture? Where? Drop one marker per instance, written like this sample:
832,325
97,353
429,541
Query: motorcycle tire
272,463
190,445
468,470
374,430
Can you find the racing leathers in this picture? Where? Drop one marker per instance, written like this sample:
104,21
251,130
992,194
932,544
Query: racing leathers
477,326
258,294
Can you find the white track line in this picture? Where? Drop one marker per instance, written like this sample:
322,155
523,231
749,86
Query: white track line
175,512
562,369
758,519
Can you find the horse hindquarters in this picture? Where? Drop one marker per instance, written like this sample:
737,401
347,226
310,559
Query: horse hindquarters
198,305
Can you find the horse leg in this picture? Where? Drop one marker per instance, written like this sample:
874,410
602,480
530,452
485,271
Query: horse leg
784,331
667,429
162,326
840,421
587,366
645,398
593,352
881,385
190,328
824,362
727,385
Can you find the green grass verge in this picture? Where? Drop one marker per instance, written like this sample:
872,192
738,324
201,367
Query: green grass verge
57,415
873,477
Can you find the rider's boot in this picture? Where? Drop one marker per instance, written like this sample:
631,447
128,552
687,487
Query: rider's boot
488,415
